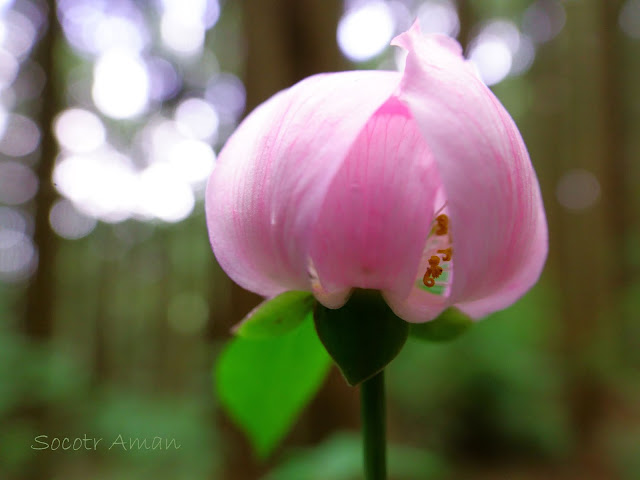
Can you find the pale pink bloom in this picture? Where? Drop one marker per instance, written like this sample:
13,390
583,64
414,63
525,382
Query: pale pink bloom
336,183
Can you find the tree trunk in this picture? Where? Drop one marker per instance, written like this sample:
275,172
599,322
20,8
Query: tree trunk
588,269
38,320
288,40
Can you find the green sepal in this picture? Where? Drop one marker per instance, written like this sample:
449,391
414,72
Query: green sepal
276,316
363,336
263,384
448,326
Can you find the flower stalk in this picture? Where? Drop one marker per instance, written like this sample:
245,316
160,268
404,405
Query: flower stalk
373,414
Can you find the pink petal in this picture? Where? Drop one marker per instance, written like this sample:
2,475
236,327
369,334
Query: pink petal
266,191
527,274
418,307
496,214
377,212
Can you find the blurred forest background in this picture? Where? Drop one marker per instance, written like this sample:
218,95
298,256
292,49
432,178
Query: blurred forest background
113,309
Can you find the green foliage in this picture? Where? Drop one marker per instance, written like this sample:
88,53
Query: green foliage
264,383
121,418
363,336
622,446
276,316
449,325
40,372
127,422
340,458
497,385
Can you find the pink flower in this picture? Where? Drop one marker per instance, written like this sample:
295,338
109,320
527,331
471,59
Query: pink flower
417,184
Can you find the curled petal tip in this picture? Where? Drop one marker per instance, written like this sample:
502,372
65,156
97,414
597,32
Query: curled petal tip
413,37
404,40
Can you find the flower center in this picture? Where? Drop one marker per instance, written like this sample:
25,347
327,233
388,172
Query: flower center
441,228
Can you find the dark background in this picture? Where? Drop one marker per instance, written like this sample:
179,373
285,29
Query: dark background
112,316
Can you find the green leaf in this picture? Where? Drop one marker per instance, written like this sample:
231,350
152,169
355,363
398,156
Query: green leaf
264,384
276,316
448,326
363,336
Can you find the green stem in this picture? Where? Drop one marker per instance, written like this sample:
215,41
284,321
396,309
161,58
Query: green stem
373,414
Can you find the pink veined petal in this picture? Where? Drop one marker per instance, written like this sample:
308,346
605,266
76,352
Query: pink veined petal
527,274
496,214
271,178
377,213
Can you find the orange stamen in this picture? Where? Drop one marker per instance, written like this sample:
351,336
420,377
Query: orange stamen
435,270
442,226
427,280
447,254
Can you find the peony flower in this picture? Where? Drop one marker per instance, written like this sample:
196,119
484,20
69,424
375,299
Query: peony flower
415,183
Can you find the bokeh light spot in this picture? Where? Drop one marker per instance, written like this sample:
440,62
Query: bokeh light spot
439,16
543,20
11,219
159,136
492,57
5,5
96,26
365,31
113,31
524,56
9,67
197,118
68,222
184,23
164,80
17,256
21,136
182,34
80,20
629,18
578,189
227,94
193,160
19,33
79,131
18,183
120,84
504,30
163,195
101,184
